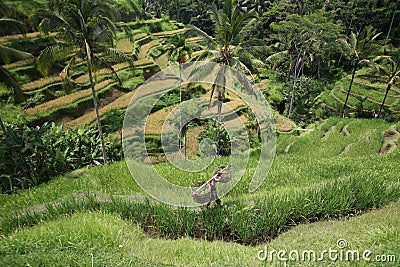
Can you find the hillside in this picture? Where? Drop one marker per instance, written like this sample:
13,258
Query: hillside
183,173
49,101
333,171
367,93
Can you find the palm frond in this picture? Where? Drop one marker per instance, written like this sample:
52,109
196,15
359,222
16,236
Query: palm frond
102,29
47,21
206,39
11,26
8,54
242,26
51,54
115,55
8,79
201,71
208,55
4,9
104,9
241,64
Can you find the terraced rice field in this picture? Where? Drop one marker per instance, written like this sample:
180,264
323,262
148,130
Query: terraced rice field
365,94
68,99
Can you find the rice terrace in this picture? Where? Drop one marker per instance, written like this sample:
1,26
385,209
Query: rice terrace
199,133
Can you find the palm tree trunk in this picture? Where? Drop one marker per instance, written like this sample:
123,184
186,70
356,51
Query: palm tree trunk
348,91
221,93
180,112
291,100
89,65
186,128
296,76
391,24
384,99
218,141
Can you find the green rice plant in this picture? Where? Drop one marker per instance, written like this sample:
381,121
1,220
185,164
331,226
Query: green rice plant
331,102
155,52
165,221
167,25
66,100
31,86
18,64
186,219
144,49
31,45
261,221
168,30
354,102
64,114
140,23
11,113
101,72
47,93
25,74
120,103
367,84
15,37
375,97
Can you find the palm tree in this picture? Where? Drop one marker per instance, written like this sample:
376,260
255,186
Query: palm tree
8,54
179,51
389,66
361,48
85,31
228,47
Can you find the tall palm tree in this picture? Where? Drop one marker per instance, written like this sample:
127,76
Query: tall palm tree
179,51
229,46
85,30
389,67
360,47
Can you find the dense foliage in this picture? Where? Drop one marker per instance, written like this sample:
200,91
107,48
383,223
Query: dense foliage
30,156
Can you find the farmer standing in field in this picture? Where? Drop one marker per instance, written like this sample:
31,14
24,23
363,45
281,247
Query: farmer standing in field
213,189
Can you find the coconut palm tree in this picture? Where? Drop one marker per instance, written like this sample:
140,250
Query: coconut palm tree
361,47
389,67
179,51
85,30
229,47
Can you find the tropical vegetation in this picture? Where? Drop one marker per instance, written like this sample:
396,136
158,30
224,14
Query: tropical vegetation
69,70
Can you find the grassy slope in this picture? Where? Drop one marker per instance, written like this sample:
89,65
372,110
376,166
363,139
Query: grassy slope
110,241
310,160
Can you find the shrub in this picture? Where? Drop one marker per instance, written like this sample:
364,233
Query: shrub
30,156
224,145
